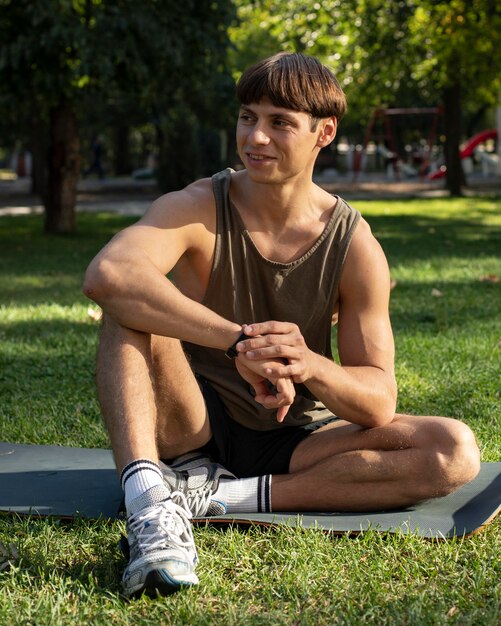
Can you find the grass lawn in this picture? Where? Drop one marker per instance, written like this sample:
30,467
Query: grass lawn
446,310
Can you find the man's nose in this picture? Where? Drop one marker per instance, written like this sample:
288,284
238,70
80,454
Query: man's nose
259,135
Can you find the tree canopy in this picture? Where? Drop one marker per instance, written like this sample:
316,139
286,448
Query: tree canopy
387,52
61,58
63,62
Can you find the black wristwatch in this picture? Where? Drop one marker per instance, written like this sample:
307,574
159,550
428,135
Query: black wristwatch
232,353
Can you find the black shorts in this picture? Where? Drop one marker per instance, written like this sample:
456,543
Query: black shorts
247,452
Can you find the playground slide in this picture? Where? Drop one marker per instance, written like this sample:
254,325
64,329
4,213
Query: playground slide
468,149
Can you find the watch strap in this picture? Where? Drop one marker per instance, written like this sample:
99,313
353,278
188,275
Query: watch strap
232,353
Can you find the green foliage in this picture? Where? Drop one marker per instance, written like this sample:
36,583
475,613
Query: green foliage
396,53
117,62
56,49
461,42
199,90
268,26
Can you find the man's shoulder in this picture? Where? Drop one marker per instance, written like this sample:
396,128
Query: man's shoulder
200,191
193,204
365,256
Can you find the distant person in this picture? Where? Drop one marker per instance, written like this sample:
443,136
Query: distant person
215,352
96,164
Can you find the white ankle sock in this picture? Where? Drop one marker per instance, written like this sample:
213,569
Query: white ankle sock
251,495
139,476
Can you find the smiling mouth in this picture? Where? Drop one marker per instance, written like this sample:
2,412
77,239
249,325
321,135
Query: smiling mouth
258,157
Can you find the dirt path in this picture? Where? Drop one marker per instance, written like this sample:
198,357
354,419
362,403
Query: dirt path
130,197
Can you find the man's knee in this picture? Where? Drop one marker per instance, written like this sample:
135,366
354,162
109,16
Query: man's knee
167,349
461,454
111,330
453,457
119,345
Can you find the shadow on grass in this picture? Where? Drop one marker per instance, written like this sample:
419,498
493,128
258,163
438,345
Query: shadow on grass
49,367
461,305
38,269
58,334
412,307
405,238
43,269
97,568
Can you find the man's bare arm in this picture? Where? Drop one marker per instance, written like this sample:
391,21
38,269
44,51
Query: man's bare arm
128,277
362,389
128,280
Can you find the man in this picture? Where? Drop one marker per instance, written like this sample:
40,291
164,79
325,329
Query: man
230,354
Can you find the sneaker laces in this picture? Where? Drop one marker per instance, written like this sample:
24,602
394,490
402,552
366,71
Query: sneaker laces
167,522
199,489
198,500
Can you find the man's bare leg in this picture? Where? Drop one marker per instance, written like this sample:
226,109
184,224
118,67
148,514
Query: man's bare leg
343,467
182,420
146,387
151,403
153,407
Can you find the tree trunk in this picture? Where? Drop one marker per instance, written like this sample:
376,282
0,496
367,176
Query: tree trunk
455,179
63,171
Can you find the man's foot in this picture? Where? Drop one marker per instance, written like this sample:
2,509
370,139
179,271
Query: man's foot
162,550
197,477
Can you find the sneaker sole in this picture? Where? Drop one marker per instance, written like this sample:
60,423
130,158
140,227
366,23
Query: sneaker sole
160,583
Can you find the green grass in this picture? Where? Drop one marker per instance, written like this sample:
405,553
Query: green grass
448,362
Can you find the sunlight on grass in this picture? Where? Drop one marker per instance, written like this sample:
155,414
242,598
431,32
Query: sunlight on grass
448,350
7,175
47,312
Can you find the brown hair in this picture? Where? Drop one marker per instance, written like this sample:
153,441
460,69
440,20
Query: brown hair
293,81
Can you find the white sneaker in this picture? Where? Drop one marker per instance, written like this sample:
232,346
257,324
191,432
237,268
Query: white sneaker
163,556
197,477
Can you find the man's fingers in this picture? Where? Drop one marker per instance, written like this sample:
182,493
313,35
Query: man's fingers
270,345
281,398
282,412
261,390
285,387
273,402
271,327
278,351
293,371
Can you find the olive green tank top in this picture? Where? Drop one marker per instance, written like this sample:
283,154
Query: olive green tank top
246,287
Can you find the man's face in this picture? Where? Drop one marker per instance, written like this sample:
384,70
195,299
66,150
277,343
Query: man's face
276,144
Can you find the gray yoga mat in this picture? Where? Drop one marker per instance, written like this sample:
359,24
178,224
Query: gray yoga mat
71,482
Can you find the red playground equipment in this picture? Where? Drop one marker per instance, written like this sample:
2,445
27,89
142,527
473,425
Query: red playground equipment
468,149
389,149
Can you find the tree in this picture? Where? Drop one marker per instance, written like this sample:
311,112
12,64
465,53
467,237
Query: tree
460,54
200,88
447,51
330,30
394,52
57,56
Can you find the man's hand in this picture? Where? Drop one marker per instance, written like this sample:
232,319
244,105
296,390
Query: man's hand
282,346
272,393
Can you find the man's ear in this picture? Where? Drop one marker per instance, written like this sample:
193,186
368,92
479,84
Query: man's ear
328,129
